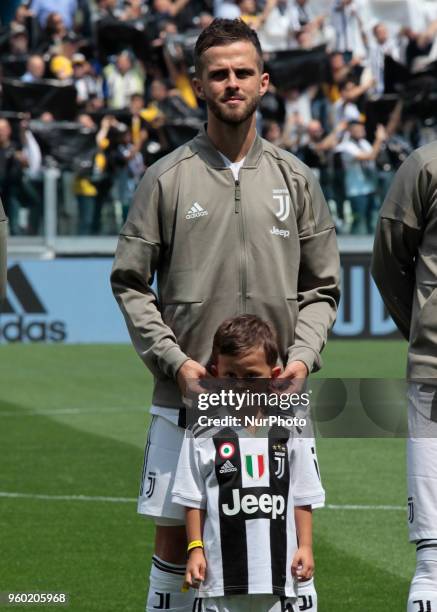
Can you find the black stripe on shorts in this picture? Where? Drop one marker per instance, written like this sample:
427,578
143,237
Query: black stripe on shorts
165,567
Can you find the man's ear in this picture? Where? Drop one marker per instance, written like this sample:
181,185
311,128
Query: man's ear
264,83
276,371
198,89
213,370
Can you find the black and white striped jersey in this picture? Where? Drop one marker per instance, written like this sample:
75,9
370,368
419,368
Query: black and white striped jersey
249,487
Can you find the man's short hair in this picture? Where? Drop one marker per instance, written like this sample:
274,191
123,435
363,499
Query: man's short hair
239,335
225,32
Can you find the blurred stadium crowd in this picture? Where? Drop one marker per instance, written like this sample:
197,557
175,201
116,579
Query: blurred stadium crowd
101,89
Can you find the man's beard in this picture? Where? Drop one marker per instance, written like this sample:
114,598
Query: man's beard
230,116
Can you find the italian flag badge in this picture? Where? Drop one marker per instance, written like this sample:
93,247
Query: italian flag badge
255,465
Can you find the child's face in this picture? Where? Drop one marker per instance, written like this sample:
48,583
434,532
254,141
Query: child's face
250,365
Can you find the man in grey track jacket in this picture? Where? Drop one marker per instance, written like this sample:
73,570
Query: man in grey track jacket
405,269
229,224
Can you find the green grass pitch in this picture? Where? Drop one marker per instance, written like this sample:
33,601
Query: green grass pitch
73,423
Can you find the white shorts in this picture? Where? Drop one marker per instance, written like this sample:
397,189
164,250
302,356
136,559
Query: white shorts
422,462
161,455
245,603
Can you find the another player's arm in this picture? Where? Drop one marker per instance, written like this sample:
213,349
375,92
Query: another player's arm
196,563
303,560
319,278
397,238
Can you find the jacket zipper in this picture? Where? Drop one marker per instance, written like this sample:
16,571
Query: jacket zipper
237,196
243,257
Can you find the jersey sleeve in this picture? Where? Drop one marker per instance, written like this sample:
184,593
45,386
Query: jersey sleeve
305,474
189,489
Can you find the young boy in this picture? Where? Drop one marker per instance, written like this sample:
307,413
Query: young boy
248,498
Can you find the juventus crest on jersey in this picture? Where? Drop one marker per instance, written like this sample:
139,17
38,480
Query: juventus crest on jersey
249,487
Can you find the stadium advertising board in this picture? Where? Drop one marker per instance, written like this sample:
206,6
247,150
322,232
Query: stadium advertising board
70,301
361,313
60,301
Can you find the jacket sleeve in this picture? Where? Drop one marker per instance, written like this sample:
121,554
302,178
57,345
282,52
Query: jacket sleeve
398,235
136,261
3,258
319,274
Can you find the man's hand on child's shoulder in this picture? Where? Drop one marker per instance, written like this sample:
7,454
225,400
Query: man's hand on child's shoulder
293,377
303,563
188,373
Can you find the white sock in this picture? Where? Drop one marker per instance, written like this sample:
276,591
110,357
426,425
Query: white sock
307,595
165,585
422,601
423,590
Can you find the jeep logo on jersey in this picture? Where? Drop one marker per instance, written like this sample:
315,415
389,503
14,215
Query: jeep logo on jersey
283,198
226,450
275,231
264,504
24,318
255,466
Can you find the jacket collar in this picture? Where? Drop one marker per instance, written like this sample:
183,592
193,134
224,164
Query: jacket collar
204,146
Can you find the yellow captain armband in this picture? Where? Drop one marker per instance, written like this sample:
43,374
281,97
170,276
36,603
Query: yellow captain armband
194,544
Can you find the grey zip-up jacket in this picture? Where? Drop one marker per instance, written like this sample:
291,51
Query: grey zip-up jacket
3,268
404,264
264,244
